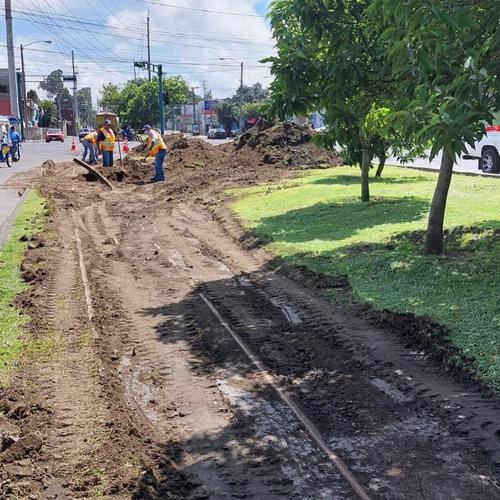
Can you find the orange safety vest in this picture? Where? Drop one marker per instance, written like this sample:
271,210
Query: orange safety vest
159,144
91,137
109,143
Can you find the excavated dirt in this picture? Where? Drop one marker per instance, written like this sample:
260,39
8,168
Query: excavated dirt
144,394
194,164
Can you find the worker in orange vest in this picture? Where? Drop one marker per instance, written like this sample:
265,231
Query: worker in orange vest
89,146
106,140
156,147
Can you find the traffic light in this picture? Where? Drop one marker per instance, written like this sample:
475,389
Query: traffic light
166,98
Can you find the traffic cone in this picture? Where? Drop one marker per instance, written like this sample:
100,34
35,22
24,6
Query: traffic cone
73,146
126,149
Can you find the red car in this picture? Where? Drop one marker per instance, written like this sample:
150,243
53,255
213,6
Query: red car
54,134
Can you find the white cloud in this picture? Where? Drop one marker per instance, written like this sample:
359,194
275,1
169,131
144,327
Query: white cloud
187,42
192,43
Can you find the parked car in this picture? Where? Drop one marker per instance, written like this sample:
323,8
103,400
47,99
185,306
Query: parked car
83,132
54,134
487,151
220,133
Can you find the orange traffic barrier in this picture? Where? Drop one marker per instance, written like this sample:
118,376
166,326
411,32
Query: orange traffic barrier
126,148
73,145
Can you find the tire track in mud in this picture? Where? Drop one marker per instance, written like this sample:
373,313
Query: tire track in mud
197,262
475,412
64,386
398,432
226,456
182,399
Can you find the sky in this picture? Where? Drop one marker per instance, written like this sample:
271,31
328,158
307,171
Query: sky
201,40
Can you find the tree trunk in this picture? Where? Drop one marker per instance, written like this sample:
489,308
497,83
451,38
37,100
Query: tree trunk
381,165
365,170
434,236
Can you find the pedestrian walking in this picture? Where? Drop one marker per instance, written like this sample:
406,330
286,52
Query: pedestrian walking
156,147
89,146
106,140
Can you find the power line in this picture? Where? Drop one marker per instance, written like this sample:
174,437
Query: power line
88,22
206,11
166,62
128,37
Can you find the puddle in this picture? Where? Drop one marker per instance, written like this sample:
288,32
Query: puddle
137,390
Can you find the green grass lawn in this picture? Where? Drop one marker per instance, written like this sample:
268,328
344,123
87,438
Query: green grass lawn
318,221
29,221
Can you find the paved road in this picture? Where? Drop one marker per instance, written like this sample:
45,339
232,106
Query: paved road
469,166
33,154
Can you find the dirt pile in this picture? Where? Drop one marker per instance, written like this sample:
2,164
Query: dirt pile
286,145
257,156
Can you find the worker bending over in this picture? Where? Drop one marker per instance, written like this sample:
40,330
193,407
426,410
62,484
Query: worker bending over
106,140
89,146
156,148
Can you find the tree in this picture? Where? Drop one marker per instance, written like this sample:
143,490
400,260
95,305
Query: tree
226,115
53,84
254,110
48,113
111,98
329,62
137,103
85,109
250,94
445,57
33,96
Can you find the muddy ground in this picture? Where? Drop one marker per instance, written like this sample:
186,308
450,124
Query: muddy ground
147,394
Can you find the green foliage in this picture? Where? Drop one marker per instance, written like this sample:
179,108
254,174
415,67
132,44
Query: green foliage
254,110
53,84
329,62
49,117
137,102
86,111
250,94
318,222
226,114
445,57
29,221
33,96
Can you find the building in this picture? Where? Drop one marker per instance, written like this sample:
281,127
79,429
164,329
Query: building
4,92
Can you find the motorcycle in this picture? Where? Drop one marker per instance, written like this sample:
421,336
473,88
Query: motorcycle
7,154
11,153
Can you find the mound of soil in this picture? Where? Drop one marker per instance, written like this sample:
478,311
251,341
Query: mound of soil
257,156
286,145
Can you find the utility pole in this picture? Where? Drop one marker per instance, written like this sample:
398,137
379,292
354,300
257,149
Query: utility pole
194,107
149,52
203,116
24,117
160,99
75,102
241,98
14,102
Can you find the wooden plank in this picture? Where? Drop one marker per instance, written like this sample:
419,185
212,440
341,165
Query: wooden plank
93,171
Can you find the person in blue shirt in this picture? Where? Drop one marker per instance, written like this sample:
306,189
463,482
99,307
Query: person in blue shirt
15,138
14,135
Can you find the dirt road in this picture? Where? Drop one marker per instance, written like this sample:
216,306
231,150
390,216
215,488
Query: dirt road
188,366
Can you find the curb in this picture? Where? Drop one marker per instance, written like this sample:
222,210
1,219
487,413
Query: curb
455,172
7,225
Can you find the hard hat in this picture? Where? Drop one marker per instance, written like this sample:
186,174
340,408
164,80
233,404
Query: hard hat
147,127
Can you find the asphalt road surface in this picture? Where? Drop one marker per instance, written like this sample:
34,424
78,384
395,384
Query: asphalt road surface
33,154
469,166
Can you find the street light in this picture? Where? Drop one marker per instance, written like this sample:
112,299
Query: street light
241,87
24,118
